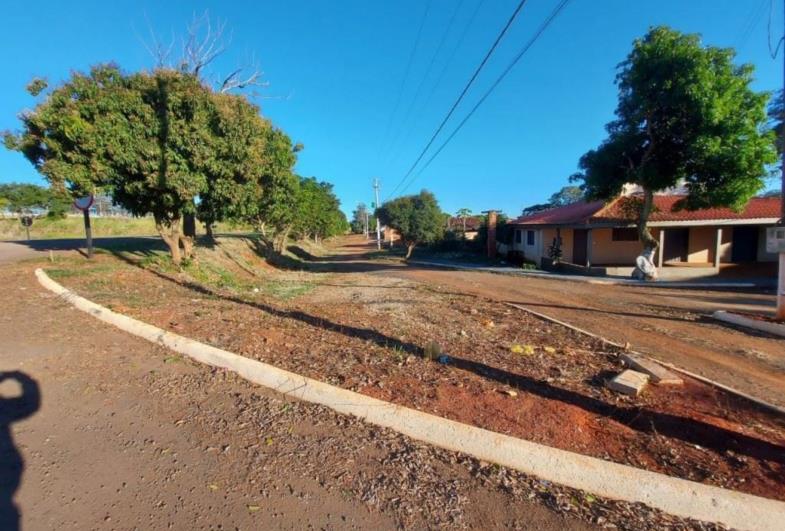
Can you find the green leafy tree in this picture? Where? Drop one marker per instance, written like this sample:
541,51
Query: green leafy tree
318,213
240,141
566,196
463,213
146,136
417,218
277,208
21,196
686,113
359,218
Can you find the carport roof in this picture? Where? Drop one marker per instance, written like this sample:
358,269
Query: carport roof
666,210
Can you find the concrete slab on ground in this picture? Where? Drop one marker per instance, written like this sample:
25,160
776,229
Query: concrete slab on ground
629,382
657,373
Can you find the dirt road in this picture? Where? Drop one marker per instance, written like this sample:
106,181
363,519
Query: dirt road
669,324
112,432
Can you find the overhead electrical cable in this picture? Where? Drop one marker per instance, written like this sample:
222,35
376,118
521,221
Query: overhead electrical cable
462,94
425,76
412,54
495,84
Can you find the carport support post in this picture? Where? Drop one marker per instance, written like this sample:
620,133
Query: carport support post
88,232
717,248
660,247
589,248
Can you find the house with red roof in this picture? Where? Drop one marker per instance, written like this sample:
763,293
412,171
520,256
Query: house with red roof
601,237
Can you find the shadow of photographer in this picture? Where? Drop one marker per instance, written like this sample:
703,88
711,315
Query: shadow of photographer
12,465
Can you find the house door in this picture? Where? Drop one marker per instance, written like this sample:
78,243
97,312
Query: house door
744,246
579,239
676,245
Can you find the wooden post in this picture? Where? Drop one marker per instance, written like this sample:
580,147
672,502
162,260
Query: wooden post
88,232
660,247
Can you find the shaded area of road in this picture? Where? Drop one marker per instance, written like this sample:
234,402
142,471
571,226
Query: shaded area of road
14,251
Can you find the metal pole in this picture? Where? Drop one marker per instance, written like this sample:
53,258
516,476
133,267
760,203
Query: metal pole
88,232
781,277
378,228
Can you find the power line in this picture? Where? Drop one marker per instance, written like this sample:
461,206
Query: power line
417,92
463,93
752,21
496,83
405,77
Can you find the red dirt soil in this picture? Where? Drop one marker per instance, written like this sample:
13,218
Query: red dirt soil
367,332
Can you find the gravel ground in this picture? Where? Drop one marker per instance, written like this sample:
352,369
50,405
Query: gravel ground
130,435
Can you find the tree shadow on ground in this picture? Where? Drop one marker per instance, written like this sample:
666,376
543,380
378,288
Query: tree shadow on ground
11,463
638,418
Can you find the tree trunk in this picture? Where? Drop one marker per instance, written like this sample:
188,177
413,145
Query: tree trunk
170,234
409,249
648,241
187,243
282,238
208,229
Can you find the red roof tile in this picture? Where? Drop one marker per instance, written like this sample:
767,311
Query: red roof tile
578,212
598,212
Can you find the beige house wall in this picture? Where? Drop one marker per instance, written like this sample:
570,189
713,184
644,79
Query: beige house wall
607,251
700,247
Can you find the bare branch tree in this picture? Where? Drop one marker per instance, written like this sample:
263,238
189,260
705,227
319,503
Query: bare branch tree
159,51
243,77
203,42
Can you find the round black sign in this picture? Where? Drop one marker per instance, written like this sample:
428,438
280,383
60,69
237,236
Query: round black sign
27,221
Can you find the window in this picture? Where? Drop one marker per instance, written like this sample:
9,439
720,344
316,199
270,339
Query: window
529,237
517,236
625,235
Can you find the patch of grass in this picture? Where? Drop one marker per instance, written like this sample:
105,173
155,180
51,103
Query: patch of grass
73,227
286,290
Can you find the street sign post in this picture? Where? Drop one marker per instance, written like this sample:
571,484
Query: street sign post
27,221
84,204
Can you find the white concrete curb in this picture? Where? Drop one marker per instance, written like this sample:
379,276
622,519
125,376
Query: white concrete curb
675,496
758,401
675,284
740,320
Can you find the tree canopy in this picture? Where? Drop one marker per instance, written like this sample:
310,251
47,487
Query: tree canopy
162,143
417,218
686,113
566,196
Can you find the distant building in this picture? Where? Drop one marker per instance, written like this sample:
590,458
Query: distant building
473,224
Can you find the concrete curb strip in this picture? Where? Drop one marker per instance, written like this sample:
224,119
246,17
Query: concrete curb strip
672,495
740,320
671,366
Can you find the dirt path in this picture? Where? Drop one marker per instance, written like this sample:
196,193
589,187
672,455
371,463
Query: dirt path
669,324
129,435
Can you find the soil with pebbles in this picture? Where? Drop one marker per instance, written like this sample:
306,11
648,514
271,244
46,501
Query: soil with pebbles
468,359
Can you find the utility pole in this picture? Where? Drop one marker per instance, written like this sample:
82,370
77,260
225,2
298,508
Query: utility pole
378,227
781,277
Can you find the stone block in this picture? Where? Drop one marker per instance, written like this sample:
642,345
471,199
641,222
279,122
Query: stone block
628,382
657,373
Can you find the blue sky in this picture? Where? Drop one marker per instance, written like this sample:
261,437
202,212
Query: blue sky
336,70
